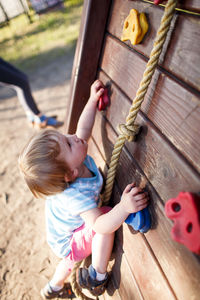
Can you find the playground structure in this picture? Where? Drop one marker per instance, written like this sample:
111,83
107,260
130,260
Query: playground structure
10,9
164,158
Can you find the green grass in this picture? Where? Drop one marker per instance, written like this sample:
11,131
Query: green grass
51,35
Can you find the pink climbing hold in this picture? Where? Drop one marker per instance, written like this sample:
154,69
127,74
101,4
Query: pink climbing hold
158,1
184,210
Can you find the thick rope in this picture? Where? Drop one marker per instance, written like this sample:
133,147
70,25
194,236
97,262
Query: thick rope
75,286
129,130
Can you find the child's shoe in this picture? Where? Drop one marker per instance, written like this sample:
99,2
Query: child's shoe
66,292
86,278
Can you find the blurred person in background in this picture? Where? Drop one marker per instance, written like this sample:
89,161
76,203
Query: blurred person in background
18,80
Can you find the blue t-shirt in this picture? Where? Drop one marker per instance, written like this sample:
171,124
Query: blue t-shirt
63,210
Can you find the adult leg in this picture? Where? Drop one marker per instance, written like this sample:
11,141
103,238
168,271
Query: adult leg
18,80
11,75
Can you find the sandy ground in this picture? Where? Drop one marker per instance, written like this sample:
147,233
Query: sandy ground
27,262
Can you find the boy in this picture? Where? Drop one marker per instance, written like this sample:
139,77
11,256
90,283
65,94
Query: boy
57,166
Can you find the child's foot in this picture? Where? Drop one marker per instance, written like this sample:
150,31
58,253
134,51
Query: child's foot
64,293
87,279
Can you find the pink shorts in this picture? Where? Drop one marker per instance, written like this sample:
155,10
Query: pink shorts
81,243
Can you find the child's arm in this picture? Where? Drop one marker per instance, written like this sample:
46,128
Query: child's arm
132,200
86,120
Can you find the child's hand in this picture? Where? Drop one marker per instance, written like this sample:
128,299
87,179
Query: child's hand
133,199
96,91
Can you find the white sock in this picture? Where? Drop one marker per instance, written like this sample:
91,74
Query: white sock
100,276
55,288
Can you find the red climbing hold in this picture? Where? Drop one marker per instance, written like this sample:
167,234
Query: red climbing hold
185,212
103,101
158,1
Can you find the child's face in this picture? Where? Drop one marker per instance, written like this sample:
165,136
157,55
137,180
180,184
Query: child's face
73,150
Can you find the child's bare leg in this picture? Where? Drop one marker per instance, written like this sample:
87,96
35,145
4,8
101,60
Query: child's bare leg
55,288
61,273
102,245
96,277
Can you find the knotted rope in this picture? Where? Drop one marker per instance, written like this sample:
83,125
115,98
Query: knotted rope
129,130
75,286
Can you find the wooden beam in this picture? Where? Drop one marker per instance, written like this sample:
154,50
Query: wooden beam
93,22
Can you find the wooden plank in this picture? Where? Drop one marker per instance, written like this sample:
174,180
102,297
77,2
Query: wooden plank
175,111
145,267
152,284
122,277
192,5
119,12
181,59
174,259
179,264
84,68
166,169
111,291
182,56
170,106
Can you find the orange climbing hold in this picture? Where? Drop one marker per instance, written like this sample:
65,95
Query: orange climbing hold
135,27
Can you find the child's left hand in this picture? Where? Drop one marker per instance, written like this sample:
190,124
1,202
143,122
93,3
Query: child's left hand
96,91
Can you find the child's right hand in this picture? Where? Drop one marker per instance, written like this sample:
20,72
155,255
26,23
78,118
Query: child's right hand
133,199
96,91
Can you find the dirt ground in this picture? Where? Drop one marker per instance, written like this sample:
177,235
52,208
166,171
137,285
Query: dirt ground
27,262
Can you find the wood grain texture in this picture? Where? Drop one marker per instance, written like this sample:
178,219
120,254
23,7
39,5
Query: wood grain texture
165,157
170,106
123,276
180,55
174,259
165,168
84,68
132,280
192,5
123,284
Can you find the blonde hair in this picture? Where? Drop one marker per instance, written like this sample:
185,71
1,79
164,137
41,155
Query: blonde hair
43,172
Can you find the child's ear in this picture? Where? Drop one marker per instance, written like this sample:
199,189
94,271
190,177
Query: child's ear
72,176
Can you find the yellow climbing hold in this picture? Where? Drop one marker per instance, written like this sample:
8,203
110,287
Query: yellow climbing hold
144,26
135,27
131,29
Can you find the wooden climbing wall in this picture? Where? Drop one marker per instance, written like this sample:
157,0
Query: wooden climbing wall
165,159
